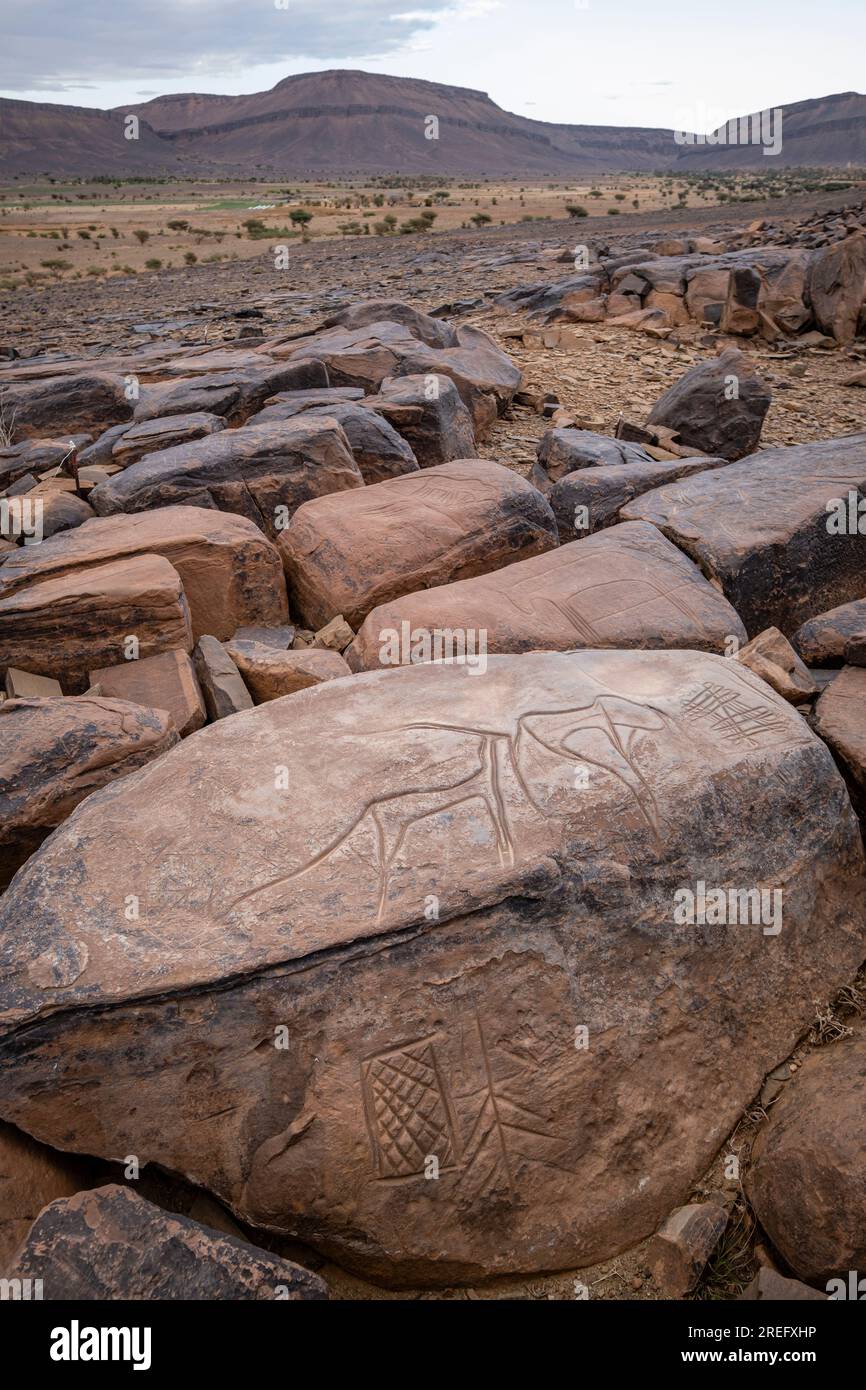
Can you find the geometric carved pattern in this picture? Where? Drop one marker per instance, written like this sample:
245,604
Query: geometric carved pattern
736,719
407,1110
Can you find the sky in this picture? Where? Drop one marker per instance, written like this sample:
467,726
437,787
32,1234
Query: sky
679,64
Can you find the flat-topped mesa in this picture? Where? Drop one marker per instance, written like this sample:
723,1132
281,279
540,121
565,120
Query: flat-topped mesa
433,886
779,532
232,575
625,587
263,472
345,554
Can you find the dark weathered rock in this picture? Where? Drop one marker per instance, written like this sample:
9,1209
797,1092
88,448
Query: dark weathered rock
31,1175
402,878
763,529
254,471
626,587
163,432
346,554
768,1286
681,1247
589,499
231,573
222,684
379,451
65,625
837,287
63,404
428,412
111,1244
234,394
822,640
63,511
429,330
166,681
807,1180
717,406
563,451
55,752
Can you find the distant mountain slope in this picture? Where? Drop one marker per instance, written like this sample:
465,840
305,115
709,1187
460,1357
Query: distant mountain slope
348,122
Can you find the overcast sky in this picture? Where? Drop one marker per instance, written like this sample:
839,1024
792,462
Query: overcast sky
673,63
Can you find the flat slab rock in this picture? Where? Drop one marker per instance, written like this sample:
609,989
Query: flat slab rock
369,937
166,681
589,499
232,575
270,673
807,1180
68,624
348,553
625,587
760,528
110,1243
253,471
55,752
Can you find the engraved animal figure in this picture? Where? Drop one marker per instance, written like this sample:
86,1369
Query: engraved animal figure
599,733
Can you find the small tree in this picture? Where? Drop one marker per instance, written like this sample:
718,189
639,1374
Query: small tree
300,217
576,210
141,235
480,218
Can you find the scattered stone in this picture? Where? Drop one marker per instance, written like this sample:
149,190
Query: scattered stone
64,626
270,674
351,551
335,635
837,287
427,788
54,752
807,1180
771,656
111,1244
222,684
163,682
717,406
681,1247
280,637
22,685
770,1286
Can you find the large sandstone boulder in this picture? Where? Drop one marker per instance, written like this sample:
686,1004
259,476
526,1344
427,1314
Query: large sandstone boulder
254,471
55,752
348,553
232,575
589,499
764,529
66,625
626,587
163,433
234,394
837,286
807,1181
111,1244
717,406
410,973
822,640
63,404
428,412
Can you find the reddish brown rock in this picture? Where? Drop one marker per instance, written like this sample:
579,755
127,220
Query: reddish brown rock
376,920
270,673
263,472
111,1244
163,682
680,1248
837,287
63,404
379,451
717,406
840,719
625,587
428,412
764,529
67,624
768,1286
589,499
231,574
163,433
222,684
822,640
771,656
346,554
55,752
807,1180
31,1175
